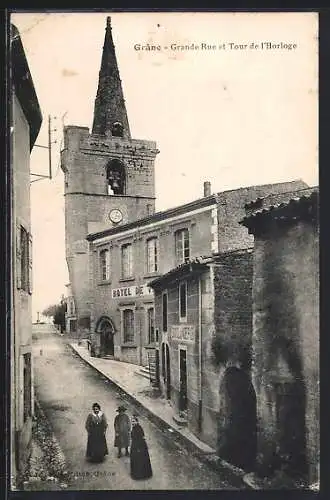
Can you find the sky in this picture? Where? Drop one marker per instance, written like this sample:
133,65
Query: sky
235,116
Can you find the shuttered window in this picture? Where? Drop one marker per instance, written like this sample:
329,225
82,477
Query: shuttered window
151,326
152,255
128,325
105,264
23,259
182,247
126,261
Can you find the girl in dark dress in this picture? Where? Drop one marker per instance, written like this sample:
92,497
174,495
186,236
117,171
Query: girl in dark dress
96,426
140,460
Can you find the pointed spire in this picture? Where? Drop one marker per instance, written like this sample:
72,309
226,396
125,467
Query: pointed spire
109,110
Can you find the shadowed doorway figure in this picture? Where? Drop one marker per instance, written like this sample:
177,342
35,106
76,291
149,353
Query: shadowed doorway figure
107,332
238,430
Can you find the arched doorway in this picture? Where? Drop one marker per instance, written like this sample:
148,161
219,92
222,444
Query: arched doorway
168,372
237,440
106,330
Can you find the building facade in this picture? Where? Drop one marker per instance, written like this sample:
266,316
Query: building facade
70,314
203,313
286,328
124,259
26,121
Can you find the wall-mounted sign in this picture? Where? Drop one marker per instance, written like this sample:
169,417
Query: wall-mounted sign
183,332
131,291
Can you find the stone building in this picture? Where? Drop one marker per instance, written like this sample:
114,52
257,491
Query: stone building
203,313
70,314
125,258
109,178
286,328
204,299
26,119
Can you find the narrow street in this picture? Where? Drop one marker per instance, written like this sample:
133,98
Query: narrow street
66,389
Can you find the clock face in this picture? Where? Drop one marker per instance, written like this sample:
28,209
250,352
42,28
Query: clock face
116,216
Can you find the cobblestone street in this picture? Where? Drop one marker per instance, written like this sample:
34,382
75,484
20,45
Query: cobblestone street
66,389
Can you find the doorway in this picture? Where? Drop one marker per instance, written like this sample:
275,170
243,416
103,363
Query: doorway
168,373
107,341
157,367
290,419
237,440
183,379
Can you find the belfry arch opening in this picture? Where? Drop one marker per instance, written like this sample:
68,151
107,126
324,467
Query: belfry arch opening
116,177
117,129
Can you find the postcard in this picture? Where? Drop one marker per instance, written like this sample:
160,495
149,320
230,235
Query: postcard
164,247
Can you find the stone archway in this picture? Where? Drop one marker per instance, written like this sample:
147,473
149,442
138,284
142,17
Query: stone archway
237,440
106,330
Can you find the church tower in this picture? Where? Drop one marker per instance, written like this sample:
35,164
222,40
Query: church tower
109,177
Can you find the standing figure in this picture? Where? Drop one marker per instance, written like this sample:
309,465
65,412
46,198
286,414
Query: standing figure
140,460
122,426
96,426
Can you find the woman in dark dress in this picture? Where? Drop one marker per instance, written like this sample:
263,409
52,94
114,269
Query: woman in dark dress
96,426
140,460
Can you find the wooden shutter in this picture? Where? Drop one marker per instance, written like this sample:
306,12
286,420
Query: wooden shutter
30,264
18,257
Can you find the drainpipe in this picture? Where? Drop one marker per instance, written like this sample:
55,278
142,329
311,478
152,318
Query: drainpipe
140,311
199,355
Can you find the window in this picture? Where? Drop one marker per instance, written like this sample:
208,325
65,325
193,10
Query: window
182,252
105,264
152,255
126,261
24,259
183,300
151,326
165,312
27,407
128,325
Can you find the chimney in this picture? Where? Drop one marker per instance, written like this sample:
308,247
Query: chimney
207,188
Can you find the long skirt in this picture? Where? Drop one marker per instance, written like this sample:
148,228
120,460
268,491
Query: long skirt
140,462
96,446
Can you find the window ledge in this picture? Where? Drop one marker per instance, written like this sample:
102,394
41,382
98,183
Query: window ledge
156,274
105,282
153,345
122,280
129,344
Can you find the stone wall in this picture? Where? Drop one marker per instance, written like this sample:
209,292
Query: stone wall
233,274
286,342
232,235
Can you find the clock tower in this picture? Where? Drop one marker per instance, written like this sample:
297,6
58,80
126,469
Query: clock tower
109,177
